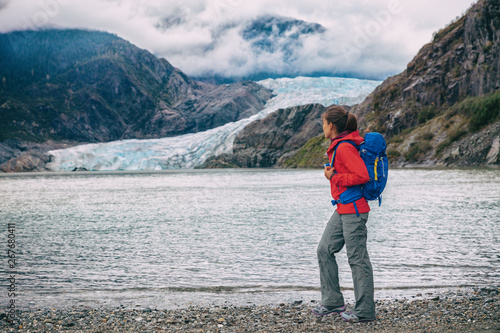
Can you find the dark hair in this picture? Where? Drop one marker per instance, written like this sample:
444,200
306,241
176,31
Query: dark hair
343,120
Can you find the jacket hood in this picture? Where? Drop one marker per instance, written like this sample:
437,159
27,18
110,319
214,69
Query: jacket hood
353,136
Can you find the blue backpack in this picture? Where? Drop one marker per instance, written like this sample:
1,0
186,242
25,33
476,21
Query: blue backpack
373,154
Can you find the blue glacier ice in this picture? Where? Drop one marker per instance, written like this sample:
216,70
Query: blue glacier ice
191,150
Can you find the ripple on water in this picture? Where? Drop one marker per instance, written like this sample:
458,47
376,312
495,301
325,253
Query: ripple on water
235,233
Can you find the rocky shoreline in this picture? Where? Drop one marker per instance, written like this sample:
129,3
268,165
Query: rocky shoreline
470,311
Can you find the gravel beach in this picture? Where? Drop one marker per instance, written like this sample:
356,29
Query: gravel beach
471,311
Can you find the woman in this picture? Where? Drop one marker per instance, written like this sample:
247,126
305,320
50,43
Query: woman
347,224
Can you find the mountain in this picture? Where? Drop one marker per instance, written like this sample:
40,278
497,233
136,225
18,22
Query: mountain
444,109
268,35
87,86
282,35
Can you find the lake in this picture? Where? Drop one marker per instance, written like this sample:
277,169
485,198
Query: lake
245,236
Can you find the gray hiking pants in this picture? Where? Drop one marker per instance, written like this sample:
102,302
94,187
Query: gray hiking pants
350,230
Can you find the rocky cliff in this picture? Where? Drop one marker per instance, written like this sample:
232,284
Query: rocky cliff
78,86
444,109
446,97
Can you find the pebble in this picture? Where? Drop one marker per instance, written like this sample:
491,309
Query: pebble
453,312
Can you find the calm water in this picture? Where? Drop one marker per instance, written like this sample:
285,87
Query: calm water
243,236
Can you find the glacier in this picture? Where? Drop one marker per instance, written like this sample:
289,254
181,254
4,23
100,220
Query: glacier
191,150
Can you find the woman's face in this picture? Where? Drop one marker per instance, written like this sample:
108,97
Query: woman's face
329,129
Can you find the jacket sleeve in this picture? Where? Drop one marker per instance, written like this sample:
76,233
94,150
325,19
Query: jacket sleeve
356,173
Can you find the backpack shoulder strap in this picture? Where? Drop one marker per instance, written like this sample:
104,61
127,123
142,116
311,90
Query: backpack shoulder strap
338,144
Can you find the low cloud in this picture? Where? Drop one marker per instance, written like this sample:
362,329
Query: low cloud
361,38
3,4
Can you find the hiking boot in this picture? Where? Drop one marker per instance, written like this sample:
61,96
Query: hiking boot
352,318
324,310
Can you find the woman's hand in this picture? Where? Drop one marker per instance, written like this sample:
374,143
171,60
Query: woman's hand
329,172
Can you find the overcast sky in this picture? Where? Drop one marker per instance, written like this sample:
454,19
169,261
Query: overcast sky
370,38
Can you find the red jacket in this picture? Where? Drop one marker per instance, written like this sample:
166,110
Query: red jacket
351,170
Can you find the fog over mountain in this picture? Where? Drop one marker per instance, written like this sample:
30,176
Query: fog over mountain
234,39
